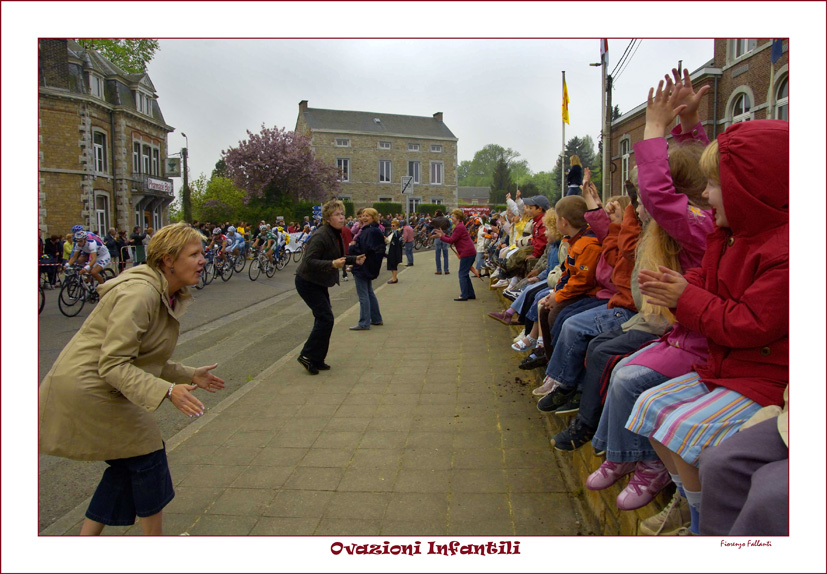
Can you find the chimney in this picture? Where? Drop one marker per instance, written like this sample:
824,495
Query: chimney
438,116
302,106
53,54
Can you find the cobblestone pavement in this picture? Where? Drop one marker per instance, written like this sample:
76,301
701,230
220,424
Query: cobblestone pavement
422,427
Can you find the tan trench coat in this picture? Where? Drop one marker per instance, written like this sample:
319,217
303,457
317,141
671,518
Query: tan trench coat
96,402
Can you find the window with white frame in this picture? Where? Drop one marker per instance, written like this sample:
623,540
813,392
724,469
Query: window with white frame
384,171
146,162
156,161
782,101
96,85
413,170
384,145
437,201
436,173
741,108
143,102
436,148
342,142
625,149
413,204
344,168
345,198
742,46
99,151
413,147
102,211
136,158
385,199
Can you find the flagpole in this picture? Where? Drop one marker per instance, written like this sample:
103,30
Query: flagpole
563,149
771,94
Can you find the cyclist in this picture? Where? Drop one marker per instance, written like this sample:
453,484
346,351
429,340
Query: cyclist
235,241
95,251
218,243
267,240
282,241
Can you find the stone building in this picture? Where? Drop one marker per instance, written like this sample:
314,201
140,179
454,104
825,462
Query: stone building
473,195
739,77
374,151
102,144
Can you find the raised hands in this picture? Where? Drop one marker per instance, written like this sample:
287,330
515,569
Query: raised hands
677,98
591,195
615,212
684,94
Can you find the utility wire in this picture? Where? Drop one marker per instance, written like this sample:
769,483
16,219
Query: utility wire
620,61
628,60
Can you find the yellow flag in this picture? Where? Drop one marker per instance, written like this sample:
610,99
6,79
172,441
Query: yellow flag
565,103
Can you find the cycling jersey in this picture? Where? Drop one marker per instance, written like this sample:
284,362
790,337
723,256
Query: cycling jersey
218,240
267,236
235,239
98,248
89,237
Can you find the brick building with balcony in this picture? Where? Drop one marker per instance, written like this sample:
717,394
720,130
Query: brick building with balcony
102,144
373,151
739,77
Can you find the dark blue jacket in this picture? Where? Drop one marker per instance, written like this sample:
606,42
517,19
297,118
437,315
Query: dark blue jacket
371,243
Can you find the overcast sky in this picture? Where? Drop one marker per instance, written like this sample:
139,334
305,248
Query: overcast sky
507,92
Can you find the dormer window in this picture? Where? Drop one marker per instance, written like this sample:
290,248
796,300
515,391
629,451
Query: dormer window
342,142
413,147
96,86
143,102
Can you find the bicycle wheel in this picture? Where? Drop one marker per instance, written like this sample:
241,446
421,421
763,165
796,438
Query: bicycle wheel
226,270
72,297
281,262
269,268
255,269
42,299
208,274
417,243
239,264
297,254
108,274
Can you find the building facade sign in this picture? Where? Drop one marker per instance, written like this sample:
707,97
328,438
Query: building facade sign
159,185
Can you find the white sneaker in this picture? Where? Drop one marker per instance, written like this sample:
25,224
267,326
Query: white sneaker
499,284
548,385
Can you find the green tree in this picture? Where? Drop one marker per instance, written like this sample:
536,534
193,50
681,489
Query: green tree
216,200
502,183
129,54
479,172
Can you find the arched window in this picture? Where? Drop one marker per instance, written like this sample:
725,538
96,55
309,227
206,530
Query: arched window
625,150
741,108
782,101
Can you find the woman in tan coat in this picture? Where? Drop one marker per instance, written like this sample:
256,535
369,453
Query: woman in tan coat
96,402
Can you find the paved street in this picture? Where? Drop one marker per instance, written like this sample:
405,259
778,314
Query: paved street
422,426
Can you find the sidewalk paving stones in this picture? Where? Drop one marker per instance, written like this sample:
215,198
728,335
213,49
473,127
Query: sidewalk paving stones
420,428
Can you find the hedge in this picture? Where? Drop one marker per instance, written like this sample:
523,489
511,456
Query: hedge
385,207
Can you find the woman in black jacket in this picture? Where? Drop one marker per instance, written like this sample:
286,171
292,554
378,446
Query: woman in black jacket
324,255
574,177
370,244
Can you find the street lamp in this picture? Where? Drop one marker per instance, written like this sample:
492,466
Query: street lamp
185,192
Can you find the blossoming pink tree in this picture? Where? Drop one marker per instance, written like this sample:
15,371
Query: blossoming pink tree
276,163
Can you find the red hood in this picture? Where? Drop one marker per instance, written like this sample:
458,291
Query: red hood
755,178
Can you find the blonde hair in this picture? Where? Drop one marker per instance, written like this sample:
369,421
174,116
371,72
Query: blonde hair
460,214
688,176
656,247
710,162
330,208
550,222
572,208
395,222
575,160
372,213
170,240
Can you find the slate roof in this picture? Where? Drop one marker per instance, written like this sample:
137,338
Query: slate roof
388,124
473,192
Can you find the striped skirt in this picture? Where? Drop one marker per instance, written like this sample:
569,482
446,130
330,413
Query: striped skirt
686,417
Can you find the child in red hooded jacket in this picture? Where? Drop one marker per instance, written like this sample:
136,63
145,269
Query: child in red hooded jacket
738,299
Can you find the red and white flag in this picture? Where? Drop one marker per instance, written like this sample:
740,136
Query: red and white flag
604,51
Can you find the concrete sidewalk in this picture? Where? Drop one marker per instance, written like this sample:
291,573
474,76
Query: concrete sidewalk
422,427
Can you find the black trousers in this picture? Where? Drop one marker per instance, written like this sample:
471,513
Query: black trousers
318,299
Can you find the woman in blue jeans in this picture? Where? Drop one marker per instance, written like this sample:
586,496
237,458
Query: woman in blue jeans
466,251
371,244
440,248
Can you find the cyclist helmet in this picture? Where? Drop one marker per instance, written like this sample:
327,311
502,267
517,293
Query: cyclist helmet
281,228
216,231
76,228
262,228
231,229
80,235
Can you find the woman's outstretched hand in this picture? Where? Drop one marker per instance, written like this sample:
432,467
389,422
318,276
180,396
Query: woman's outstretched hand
183,400
204,379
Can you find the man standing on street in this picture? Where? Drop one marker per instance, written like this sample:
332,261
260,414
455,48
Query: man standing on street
408,240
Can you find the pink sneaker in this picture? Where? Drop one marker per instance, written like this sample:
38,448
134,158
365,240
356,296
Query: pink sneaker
608,474
649,479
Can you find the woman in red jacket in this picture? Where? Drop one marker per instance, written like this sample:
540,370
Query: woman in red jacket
466,251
